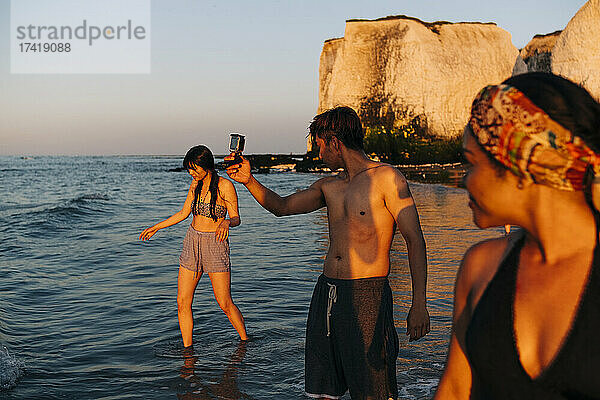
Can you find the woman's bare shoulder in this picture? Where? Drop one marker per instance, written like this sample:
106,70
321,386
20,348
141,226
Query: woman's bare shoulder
225,183
479,255
479,265
226,189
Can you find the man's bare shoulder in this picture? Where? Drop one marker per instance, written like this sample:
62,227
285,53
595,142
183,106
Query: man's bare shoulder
387,171
327,180
388,178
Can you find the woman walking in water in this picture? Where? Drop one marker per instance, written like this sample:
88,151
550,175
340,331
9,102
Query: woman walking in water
526,319
206,245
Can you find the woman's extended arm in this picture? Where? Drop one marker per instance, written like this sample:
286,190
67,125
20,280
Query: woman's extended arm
229,194
175,218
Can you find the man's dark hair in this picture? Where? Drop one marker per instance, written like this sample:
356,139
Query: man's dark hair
341,122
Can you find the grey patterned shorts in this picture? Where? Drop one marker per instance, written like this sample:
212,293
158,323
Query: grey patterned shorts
203,253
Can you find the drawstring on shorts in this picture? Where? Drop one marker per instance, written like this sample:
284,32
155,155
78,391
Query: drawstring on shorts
330,300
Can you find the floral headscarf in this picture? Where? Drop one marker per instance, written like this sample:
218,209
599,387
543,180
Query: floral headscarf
522,137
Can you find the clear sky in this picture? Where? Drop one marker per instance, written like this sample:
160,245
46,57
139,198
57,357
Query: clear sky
219,67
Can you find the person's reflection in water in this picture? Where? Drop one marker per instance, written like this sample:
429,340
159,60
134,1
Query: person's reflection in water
225,388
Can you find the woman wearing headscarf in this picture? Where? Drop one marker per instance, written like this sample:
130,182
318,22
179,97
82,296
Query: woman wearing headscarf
526,312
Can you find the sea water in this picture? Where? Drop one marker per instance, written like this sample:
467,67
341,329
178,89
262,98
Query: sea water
89,311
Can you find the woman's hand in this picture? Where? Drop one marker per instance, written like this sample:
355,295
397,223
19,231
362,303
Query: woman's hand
148,233
222,232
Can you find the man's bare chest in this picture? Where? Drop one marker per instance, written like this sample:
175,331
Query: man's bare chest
352,201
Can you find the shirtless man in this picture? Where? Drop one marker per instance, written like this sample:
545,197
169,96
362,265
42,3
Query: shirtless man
351,341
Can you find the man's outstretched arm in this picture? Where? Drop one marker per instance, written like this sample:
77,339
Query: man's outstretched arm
301,202
401,205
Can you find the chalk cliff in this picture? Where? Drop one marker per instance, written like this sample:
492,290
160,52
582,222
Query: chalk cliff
396,68
576,54
537,55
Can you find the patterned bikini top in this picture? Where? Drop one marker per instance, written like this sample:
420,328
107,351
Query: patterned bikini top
202,208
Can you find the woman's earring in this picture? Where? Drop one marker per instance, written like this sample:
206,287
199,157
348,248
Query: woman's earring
520,184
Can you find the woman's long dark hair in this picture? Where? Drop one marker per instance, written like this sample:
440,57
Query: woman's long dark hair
568,104
201,156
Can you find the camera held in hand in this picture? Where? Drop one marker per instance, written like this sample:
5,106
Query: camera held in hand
236,146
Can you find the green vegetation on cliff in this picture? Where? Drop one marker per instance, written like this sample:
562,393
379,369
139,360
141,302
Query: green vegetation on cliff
410,144
399,136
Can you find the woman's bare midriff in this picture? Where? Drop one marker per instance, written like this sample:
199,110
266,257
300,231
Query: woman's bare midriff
205,224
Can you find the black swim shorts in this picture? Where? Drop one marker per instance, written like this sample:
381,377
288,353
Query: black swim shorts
351,341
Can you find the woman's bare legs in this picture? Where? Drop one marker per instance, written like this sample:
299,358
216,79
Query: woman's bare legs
221,283
186,286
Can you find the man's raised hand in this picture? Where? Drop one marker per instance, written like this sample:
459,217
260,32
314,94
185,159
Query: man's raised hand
239,172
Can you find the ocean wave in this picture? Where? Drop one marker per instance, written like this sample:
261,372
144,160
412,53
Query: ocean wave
16,207
80,206
12,169
91,196
71,210
11,369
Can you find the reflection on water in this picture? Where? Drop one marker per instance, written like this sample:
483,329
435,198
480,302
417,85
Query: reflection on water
224,386
448,174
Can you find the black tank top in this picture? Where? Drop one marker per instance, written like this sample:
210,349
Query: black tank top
497,371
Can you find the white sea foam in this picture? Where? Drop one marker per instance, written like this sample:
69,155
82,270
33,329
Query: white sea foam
421,389
11,369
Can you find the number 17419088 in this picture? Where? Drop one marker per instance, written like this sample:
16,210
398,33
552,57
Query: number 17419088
45,47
